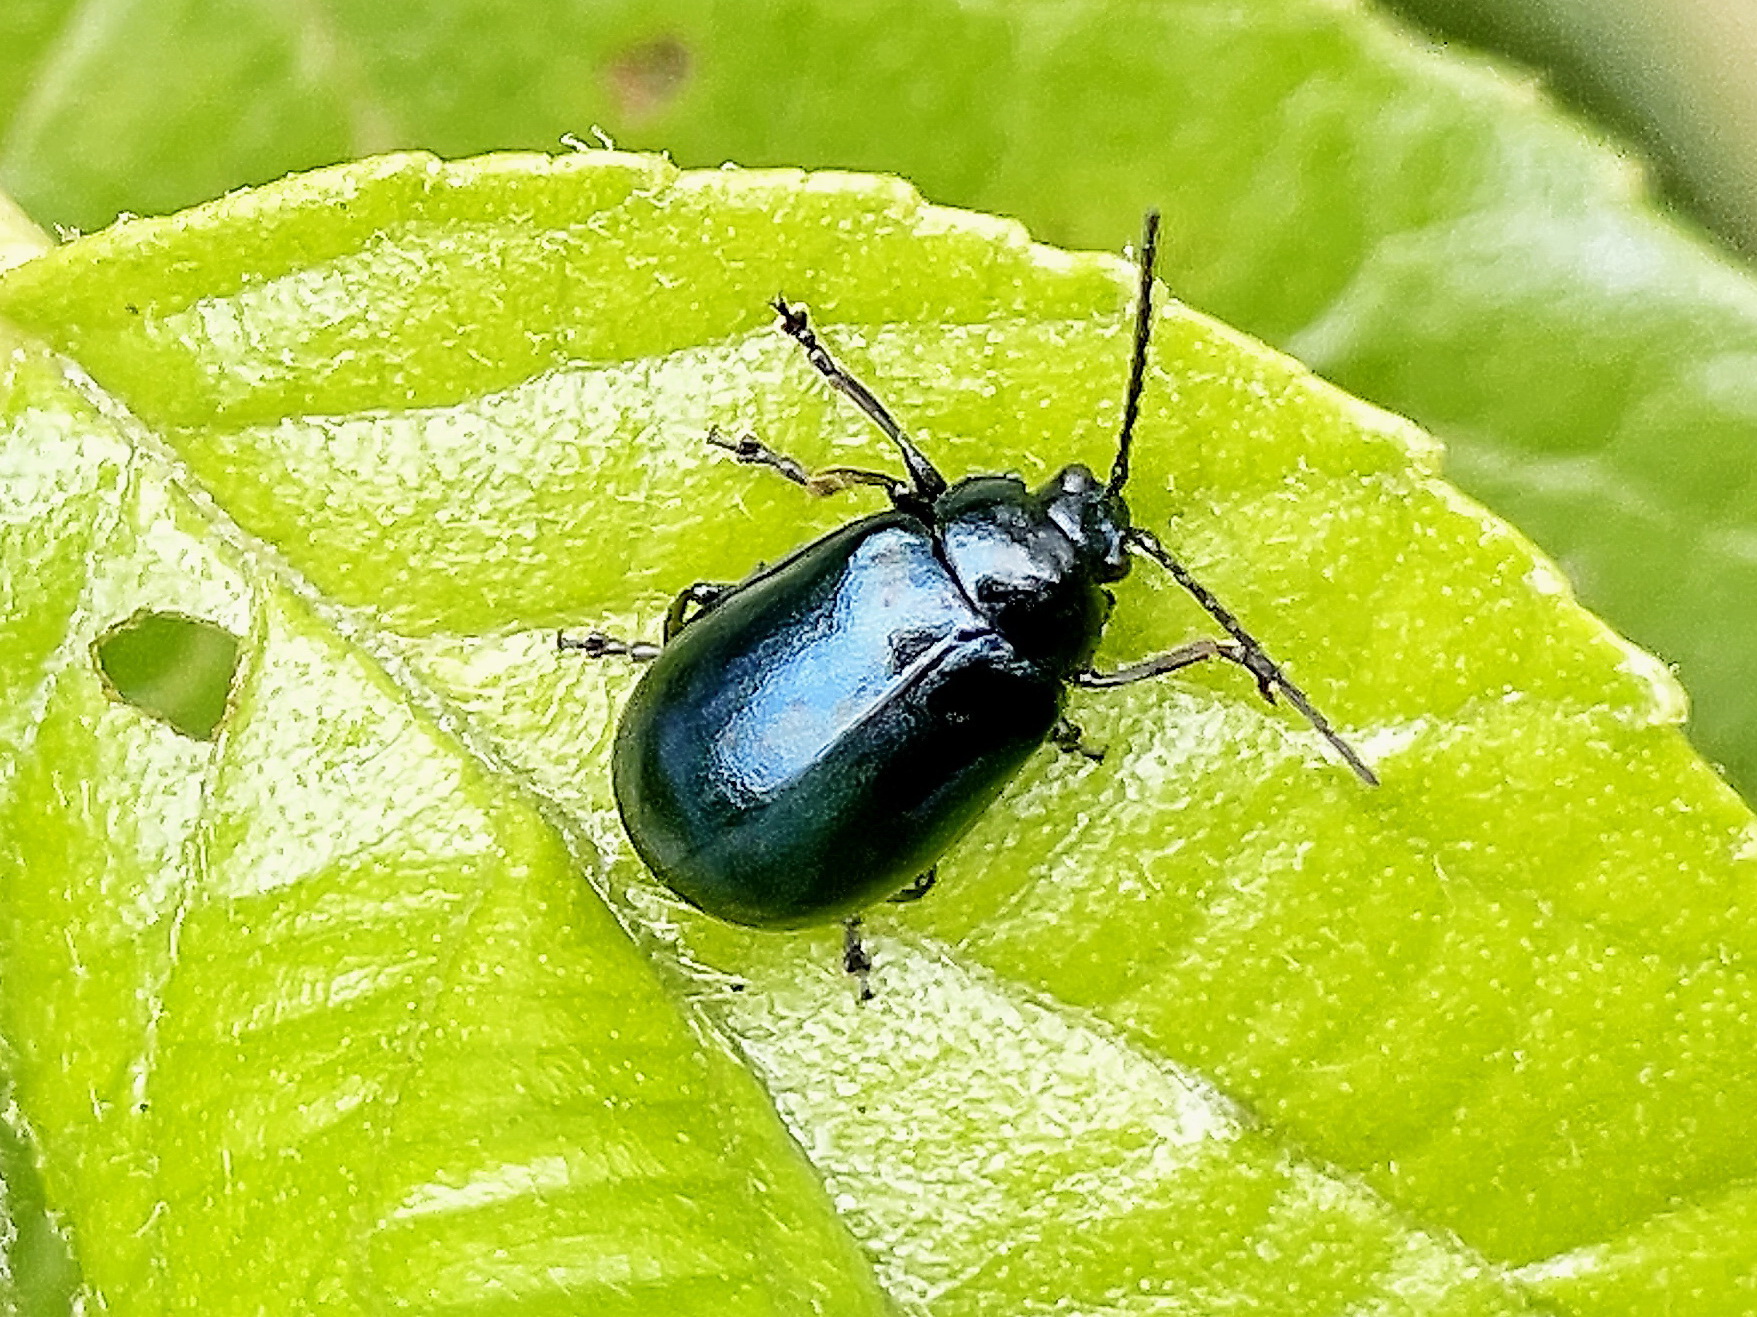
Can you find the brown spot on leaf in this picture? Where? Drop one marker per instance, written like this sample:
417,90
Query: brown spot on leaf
645,79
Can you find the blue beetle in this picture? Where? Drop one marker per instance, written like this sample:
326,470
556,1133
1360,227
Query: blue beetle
810,740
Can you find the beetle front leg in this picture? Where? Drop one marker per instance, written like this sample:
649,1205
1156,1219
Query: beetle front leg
595,644
1245,651
831,480
1268,675
1157,665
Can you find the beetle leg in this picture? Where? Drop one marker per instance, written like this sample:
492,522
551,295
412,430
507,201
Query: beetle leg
703,594
919,886
595,644
855,961
1248,652
1253,660
1157,665
831,480
926,483
1067,737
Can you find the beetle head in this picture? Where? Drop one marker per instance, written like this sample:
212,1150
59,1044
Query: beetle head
1093,516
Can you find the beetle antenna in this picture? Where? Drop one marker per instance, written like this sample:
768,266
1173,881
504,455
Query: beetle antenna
928,483
1250,655
1119,471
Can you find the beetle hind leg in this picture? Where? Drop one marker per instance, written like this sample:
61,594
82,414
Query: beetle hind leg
703,595
752,451
596,644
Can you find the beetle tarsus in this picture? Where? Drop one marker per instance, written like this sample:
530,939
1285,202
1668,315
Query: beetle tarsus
752,451
855,960
596,644
1260,666
919,886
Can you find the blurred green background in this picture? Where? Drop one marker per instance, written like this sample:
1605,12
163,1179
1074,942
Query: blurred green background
1678,78
1426,229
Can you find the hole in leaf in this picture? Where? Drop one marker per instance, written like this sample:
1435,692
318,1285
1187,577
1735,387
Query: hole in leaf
178,669
36,1260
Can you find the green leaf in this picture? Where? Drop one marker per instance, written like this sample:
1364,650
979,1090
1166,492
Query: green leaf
1417,226
326,1015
